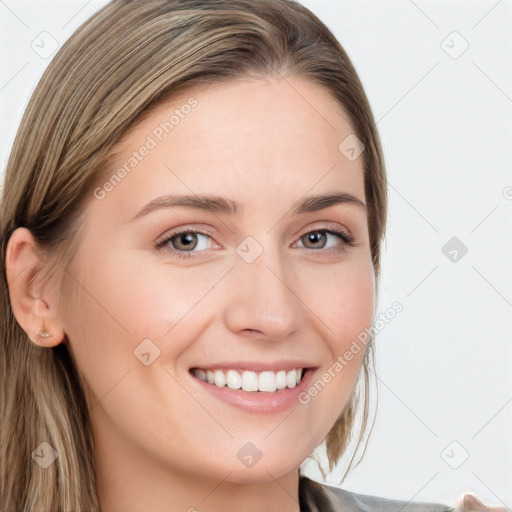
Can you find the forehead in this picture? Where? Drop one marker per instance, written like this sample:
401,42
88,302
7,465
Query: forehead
275,139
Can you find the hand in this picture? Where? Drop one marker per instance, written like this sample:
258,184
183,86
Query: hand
470,503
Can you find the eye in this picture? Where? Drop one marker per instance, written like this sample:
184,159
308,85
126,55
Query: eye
319,239
183,243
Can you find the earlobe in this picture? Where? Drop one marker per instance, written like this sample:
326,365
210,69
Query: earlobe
32,304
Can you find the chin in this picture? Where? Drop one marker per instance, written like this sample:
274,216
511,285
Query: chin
261,474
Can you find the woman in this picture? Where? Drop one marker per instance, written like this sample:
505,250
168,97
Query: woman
191,227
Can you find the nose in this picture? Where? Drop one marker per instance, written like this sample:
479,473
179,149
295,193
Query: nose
263,303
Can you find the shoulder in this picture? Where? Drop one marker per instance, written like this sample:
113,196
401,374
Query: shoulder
348,501
322,497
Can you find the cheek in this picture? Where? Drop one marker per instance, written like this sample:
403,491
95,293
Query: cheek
130,297
343,300
151,298
123,301
342,297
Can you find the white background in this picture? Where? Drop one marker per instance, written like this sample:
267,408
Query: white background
444,363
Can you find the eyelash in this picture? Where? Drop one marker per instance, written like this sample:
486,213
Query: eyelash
347,239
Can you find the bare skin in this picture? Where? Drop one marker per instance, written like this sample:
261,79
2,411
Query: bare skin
163,441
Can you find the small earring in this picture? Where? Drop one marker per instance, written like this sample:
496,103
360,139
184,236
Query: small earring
44,334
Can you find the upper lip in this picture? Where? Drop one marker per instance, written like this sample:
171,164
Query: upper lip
256,366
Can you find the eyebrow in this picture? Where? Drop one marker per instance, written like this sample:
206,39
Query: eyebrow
222,205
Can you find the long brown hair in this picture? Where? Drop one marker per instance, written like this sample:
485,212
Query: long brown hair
125,59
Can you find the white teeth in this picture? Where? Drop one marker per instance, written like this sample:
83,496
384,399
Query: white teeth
281,379
219,378
249,381
201,374
233,380
267,381
291,379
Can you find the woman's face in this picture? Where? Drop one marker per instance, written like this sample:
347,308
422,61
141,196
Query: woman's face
249,292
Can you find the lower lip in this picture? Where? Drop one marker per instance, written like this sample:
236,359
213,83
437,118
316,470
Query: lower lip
258,401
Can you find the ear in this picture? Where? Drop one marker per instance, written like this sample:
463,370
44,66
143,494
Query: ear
32,301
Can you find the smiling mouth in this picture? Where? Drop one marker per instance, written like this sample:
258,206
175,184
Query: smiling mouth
250,381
